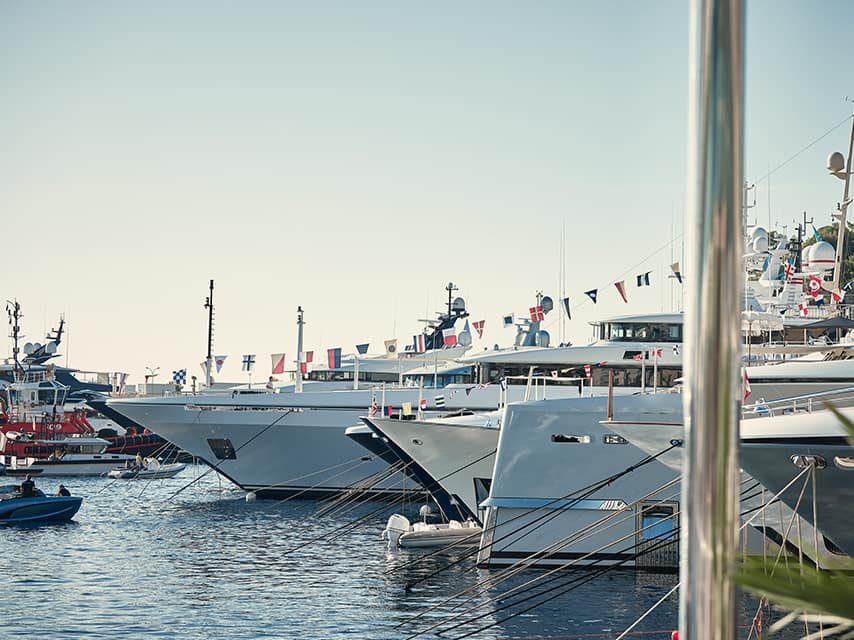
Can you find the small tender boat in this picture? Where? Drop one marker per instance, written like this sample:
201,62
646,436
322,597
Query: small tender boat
151,469
401,533
35,509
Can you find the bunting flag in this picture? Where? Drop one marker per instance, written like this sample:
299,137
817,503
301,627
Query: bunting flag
676,272
536,313
643,279
449,337
655,353
789,270
675,349
439,401
638,356
746,386
503,383
419,345
478,326
219,361
816,233
391,346
422,404
469,390
837,295
308,356
554,373
815,286
387,411
621,289
362,349
333,358
179,376
374,408
819,301
249,362
407,408
508,320
802,307
278,362
587,371
566,308
592,294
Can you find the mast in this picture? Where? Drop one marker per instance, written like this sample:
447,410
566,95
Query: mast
13,308
209,305
709,502
300,323
450,289
842,216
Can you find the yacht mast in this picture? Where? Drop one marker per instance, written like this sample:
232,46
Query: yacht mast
298,378
209,305
842,216
709,503
13,308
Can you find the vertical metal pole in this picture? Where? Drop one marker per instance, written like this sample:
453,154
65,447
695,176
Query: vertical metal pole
298,379
712,346
843,218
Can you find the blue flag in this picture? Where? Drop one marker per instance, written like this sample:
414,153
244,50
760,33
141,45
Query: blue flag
362,348
816,233
592,294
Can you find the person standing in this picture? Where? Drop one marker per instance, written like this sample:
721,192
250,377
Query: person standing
28,487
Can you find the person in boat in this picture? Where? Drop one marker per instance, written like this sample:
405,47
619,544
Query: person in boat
140,462
62,491
270,385
28,487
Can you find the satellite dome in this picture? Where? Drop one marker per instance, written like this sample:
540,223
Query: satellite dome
805,257
50,348
542,338
464,338
822,256
28,348
458,304
760,244
835,162
547,303
758,232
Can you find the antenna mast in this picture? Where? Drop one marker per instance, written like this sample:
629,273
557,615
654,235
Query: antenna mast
209,305
13,308
450,289
842,208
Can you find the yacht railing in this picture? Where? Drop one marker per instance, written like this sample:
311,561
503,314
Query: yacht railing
803,403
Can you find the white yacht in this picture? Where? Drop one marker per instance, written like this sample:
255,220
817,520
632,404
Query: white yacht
68,456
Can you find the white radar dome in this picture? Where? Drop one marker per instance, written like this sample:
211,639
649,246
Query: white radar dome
760,244
805,258
458,304
822,256
758,232
547,303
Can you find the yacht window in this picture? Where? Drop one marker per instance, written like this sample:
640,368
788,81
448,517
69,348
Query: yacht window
222,448
657,522
570,439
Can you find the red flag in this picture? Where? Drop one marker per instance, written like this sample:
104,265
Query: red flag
478,326
449,337
278,360
537,314
587,371
638,356
621,289
746,387
815,286
802,307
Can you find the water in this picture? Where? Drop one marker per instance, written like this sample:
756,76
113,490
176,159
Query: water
207,564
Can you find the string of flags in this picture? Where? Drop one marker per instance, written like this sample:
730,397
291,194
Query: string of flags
249,362
179,376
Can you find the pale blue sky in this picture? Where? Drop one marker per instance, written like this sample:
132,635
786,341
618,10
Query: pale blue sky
355,157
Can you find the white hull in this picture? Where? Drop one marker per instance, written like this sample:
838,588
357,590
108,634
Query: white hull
457,457
99,466
290,443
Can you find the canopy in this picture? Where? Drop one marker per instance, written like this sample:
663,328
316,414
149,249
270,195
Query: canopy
837,322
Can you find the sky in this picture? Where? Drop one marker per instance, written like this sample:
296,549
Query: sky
354,158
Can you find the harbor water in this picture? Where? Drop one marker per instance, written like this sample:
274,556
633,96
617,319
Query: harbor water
139,561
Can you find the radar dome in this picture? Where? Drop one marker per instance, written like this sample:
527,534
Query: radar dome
542,338
458,304
760,244
805,258
835,162
50,348
758,232
548,304
822,256
28,348
464,338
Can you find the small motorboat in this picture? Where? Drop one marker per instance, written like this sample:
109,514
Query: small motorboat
150,469
35,509
401,533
